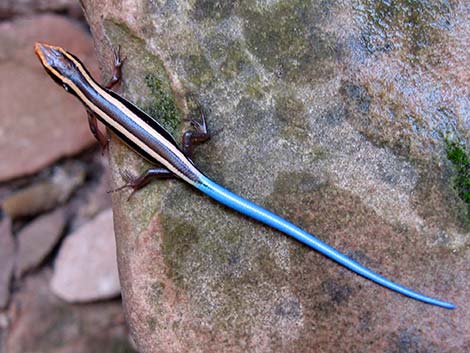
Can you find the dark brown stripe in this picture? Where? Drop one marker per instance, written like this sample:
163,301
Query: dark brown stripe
130,124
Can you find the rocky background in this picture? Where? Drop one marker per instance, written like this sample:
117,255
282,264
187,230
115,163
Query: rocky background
350,118
59,285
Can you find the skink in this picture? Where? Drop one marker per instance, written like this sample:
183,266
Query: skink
149,139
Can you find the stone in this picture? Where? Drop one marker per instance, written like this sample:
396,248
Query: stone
335,116
11,8
86,268
7,255
45,195
94,197
41,322
37,239
46,123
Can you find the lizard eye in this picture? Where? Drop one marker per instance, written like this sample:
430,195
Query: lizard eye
66,87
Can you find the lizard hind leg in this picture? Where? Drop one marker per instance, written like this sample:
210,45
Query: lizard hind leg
137,183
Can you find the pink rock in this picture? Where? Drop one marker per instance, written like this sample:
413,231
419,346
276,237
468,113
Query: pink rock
7,250
37,239
9,8
45,124
40,322
45,195
86,266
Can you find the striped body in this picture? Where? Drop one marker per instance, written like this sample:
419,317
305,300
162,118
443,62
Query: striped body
142,133
154,143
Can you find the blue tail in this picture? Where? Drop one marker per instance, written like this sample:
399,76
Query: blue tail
250,209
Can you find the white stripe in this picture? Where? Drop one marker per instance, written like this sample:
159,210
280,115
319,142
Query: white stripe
109,120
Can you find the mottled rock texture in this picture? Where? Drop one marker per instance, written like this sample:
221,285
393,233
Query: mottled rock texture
46,194
334,114
51,125
41,322
89,250
11,8
36,240
7,258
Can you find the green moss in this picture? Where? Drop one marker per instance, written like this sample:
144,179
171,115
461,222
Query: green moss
177,239
147,84
459,154
185,252
287,41
249,289
198,69
212,9
235,60
255,88
145,78
162,107
290,112
117,31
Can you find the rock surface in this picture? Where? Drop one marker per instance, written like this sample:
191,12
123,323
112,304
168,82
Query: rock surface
40,322
45,195
53,124
334,115
9,8
90,249
7,258
37,239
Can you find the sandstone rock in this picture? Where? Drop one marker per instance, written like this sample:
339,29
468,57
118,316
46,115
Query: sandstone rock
45,124
85,268
334,116
37,239
40,322
9,8
45,195
7,254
